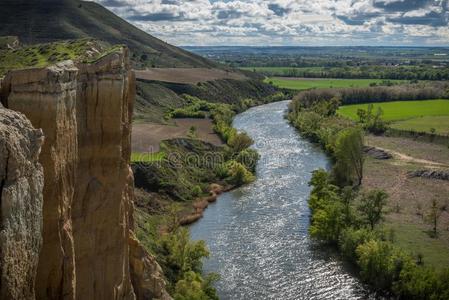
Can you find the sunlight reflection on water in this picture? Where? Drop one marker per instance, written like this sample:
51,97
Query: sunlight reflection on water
257,234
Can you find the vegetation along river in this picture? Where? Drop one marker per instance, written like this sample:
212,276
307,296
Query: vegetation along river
258,234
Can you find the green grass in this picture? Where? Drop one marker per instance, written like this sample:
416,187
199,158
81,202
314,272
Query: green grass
418,116
305,84
414,239
41,55
423,124
282,70
74,19
147,157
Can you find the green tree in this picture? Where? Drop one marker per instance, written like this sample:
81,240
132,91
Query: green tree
371,206
348,168
381,263
193,287
327,222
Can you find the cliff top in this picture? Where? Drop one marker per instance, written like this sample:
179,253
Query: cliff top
48,21
41,55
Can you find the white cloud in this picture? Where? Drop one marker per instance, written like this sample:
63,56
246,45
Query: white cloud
289,22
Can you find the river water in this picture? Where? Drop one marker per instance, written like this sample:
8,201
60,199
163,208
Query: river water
258,234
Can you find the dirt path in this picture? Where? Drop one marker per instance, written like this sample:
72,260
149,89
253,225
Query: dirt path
406,158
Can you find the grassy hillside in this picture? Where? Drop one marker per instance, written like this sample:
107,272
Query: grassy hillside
40,55
55,20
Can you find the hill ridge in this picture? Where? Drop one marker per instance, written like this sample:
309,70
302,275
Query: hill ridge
51,20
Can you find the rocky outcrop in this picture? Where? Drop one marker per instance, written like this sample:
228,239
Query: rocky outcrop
146,274
21,184
85,112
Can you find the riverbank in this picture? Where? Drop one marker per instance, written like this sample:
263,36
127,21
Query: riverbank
175,189
258,234
349,207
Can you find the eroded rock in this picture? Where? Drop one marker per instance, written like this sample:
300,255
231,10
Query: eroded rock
47,96
146,274
21,184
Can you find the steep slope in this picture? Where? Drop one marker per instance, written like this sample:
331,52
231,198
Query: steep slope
21,183
88,250
53,20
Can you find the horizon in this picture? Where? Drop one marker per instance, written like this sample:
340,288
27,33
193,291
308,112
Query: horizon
315,46
323,23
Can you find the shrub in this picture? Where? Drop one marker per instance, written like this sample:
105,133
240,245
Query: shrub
238,174
239,142
197,191
248,158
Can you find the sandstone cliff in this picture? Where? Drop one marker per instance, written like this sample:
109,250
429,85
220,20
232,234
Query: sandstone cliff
21,183
48,98
85,112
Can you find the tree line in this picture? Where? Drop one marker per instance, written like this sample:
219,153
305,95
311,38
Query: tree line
364,72
406,92
349,219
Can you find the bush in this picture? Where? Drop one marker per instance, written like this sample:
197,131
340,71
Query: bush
239,142
238,174
248,158
197,191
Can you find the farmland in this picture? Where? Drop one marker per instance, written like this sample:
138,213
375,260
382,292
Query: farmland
309,83
418,116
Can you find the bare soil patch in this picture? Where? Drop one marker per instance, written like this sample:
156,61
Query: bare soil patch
146,137
410,197
187,75
407,147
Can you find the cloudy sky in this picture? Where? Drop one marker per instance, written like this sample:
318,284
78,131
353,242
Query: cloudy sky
289,22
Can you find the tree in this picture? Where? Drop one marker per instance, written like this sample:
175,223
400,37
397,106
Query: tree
349,157
371,206
433,217
347,197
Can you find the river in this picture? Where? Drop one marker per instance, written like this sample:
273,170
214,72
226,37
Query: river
258,234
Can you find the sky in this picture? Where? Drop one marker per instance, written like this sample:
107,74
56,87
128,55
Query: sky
290,22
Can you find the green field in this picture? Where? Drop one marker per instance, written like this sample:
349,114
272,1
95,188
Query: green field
416,240
418,116
282,71
147,157
308,83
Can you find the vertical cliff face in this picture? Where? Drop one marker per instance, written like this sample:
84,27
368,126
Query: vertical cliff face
85,113
48,98
21,184
103,198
